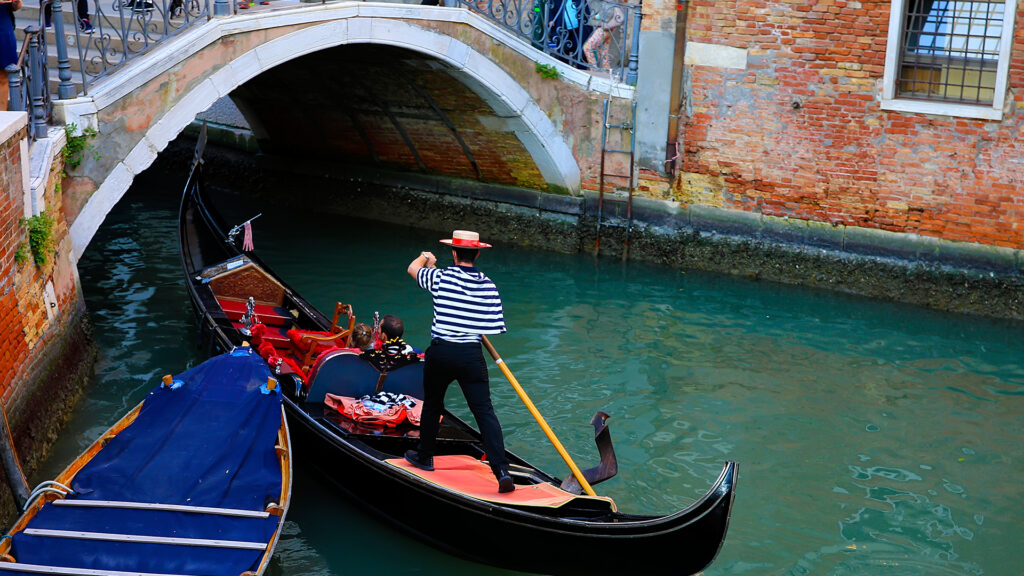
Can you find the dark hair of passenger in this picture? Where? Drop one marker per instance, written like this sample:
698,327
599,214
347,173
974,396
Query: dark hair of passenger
466,254
361,336
392,326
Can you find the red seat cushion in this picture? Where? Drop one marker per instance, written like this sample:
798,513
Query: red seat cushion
274,334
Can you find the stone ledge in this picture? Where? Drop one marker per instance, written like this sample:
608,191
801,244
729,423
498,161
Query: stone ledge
42,156
10,123
857,240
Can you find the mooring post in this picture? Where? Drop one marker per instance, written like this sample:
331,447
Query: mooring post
12,465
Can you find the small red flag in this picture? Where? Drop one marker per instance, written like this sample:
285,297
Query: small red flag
247,238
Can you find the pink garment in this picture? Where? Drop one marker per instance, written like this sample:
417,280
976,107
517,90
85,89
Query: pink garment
597,50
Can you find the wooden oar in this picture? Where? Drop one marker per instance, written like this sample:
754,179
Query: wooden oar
540,419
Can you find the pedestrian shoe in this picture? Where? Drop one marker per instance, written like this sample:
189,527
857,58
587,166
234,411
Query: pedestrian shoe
423,463
505,483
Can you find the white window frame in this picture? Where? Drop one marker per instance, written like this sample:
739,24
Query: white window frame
892,59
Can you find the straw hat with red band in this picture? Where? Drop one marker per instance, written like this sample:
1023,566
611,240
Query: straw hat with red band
465,239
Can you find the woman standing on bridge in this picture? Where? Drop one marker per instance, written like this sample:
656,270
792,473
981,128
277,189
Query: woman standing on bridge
8,46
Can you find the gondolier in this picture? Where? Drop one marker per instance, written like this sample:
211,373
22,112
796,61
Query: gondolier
466,306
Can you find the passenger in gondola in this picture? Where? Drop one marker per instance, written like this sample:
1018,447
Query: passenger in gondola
394,352
466,306
362,337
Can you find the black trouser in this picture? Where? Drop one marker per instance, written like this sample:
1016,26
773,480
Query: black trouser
446,361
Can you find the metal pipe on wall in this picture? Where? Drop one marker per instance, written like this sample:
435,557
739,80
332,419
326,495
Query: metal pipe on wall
12,465
675,100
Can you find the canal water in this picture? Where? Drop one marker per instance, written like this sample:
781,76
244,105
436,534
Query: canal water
873,438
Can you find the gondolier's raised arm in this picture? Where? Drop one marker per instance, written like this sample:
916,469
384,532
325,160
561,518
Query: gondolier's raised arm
424,260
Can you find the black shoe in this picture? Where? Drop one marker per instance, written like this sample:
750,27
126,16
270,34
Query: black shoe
423,463
505,483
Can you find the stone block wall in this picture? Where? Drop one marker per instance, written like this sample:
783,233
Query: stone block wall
782,117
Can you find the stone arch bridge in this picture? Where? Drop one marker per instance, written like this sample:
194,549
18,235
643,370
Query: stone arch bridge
425,89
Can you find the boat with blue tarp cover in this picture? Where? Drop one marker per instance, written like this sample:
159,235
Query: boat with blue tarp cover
195,480
545,525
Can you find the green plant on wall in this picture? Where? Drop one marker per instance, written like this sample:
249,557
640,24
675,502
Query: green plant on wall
77,145
548,71
40,239
21,254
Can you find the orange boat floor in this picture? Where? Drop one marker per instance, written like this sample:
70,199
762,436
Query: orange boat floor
471,477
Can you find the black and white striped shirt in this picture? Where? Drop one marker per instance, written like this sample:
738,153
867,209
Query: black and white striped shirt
466,303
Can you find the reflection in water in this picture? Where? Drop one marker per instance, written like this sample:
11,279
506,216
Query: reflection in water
872,438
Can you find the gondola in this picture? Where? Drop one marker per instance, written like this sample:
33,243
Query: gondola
544,526
196,479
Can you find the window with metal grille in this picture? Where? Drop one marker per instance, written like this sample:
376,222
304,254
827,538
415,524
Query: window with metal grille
949,51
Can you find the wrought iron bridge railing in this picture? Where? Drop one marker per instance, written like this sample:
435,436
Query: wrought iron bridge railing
93,39
601,36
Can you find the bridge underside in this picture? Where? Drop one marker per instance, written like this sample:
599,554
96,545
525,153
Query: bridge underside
388,107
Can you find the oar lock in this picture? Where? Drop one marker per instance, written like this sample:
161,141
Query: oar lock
168,381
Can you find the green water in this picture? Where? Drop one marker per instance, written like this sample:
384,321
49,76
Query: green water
872,438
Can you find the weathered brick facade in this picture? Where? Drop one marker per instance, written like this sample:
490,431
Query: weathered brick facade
800,132
46,353
13,347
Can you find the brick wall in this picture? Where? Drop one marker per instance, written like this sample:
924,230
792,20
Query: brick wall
29,324
46,352
12,345
800,132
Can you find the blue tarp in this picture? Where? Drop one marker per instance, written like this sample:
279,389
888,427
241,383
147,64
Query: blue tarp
207,443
